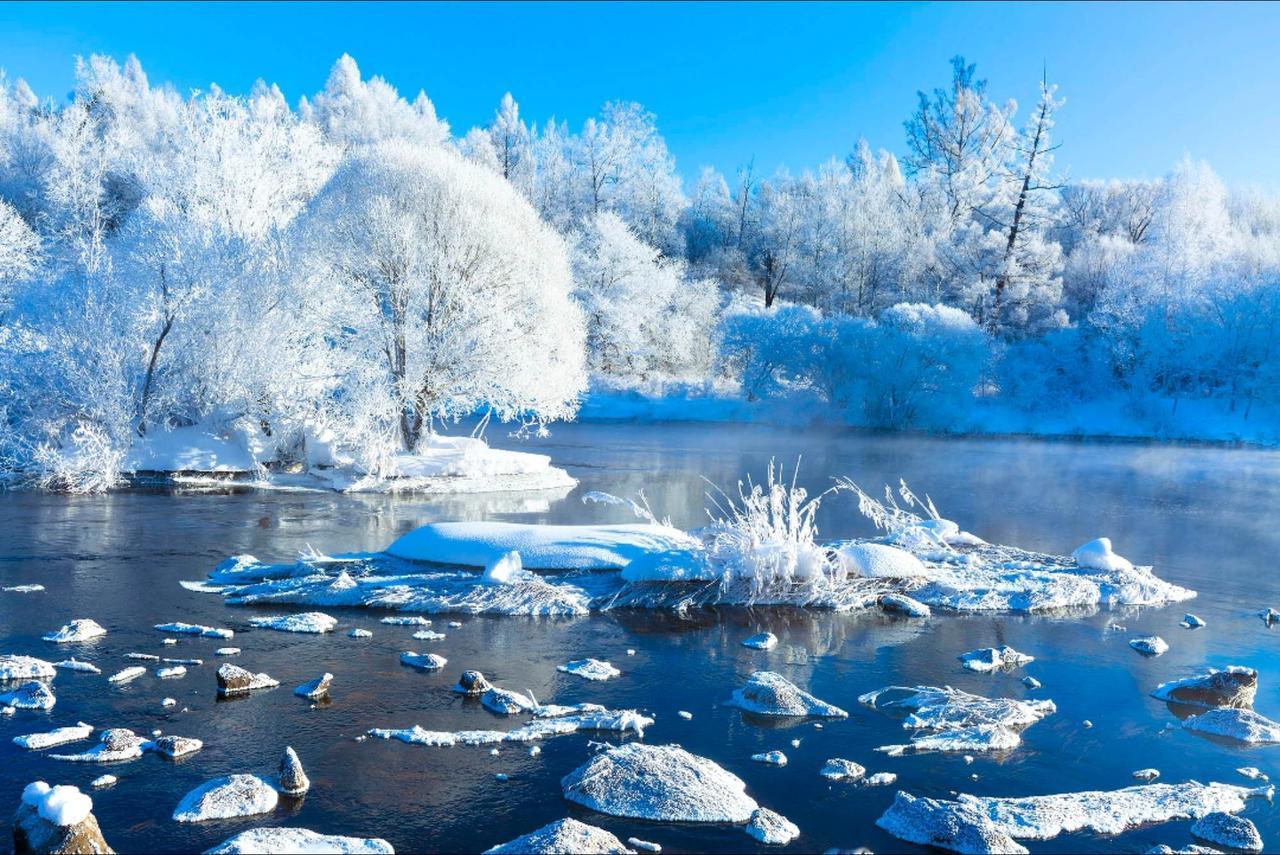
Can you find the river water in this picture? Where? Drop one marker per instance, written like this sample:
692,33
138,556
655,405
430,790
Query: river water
1206,518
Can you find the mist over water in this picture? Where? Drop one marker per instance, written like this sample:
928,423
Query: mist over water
1203,516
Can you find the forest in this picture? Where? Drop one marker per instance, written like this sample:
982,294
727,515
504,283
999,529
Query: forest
349,271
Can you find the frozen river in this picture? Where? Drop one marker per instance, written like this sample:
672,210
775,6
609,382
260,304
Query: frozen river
1206,518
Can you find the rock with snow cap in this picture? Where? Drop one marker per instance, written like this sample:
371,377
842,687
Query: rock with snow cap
1149,645
317,688
286,841
563,837
234,681
13,667
1233,723
56,821
771,828
227,798
988,659
769,693
1233,686
590,669
506,702
1233,832
761,641
30,696
424,661
79,630
174,747
293,780
837,769
472,683
904,605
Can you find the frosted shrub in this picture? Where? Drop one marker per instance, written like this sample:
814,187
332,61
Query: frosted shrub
89,462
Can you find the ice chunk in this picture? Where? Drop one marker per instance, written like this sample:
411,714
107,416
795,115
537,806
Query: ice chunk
881,779
234,680
317,688
1031,682
1234,832
142,657
503,570
643,845
25,668
227,651
408,620
194,629
761,641
74,664
114,745
612,721
424,661
124,675
837,769
1252,772
360,633
1149,645
590,669
685,714
227,798
541,547
172,671
313,622
772,828
285,841
1097,555
562,837
81,629
989,659
877,561
506,702
957,721
428,635
773,758
946,825
659,782
23,589
904,605
1147,774
1190,621
103,781
1234,686
769,693
58,736
1241,725
30,696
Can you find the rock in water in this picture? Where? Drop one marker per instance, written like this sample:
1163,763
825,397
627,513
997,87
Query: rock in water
773,758
769,693
174,747
946,825
761,641
772,828
234,680
1242,725
990,659
1149,645
506,702
1232,687
285,841
227,798
56,821
1233,832
83,629
904,605
317,688
472,683
424,661
659,782
842,770
293,780
563,837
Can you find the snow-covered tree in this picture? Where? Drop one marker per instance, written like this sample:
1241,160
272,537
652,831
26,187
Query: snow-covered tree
354,112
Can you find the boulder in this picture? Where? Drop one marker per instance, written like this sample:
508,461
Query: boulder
56,821
293,780
1233,686
472,683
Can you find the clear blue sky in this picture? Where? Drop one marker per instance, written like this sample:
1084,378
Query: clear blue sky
791,84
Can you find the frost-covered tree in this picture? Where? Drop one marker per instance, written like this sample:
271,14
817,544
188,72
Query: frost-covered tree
352,111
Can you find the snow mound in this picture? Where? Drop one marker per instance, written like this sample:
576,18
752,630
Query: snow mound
590,669
990,659
30,696
312,622
904,605
506,702
769,693
61,805
194,629
424,661
659,782
1234,832
1097,555
227,798
541,547
1234,686
57,736
1238,724
198,448
877,561
956,721
82,629
761,641
772,828
1149,645
25,668
563,837
285,841
946,825
503,570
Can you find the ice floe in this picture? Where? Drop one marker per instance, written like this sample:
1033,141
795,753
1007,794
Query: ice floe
590,669
14,667
644,845
142,657
124,675
234,680
74,664
81,629
317,688
312,622
772,828
1149,645
171,672
1241,725
659,782
506,702
761,641
286,841
29,696
23,589
881,779
360,633
424,661
195,629
989,659
837,769
57,736
611,721
1031,682
1253,773
1233,686
227,651
411,620
1234,832
769,693
115,745
955,721
429,635
227,798
563,837
103,781
772,758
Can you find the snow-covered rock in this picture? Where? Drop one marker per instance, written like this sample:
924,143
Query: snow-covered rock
1234,832
234,680
904,605
644,845
947,825
1031,682
29,696
317,688
1098,555
1191,621
423,661
877,561
171,672
951,720
74,664
227,651
761,641
195,629
563,837
1234,686
312,622
506,702
429,635
590,669
293,781
772,758
1147,774
989,659
81,629
114,745
287,841
837,769
1253,773
1149,645
56,820
227,798
472,683
25,668
174,747
771,828
360,633
103,781
1238,724
57,736
769,693
881,779
659,782
503,570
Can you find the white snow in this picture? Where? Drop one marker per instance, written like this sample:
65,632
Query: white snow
407,620
286,841
61,805
685,714
769,693
1238,724
144,657
312,622
956,721
1147,774
227,651
877,561
429,635
227,798
194,629
503,570
1149,645
114,745
990,659
74,664
234,673
25,668
1234,832
103,781
902,604
506,702
170,672
541,547
659,782
611,721
29,696
772,828
773,758
643,845
881,779
562,837
1031,682
125,675
198,448
57,736
590,669
23,589
1097,555
837,769
1252,772
360,633
81,629
761,641
425,661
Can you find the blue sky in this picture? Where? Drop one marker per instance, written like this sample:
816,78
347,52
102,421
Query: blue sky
790,84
